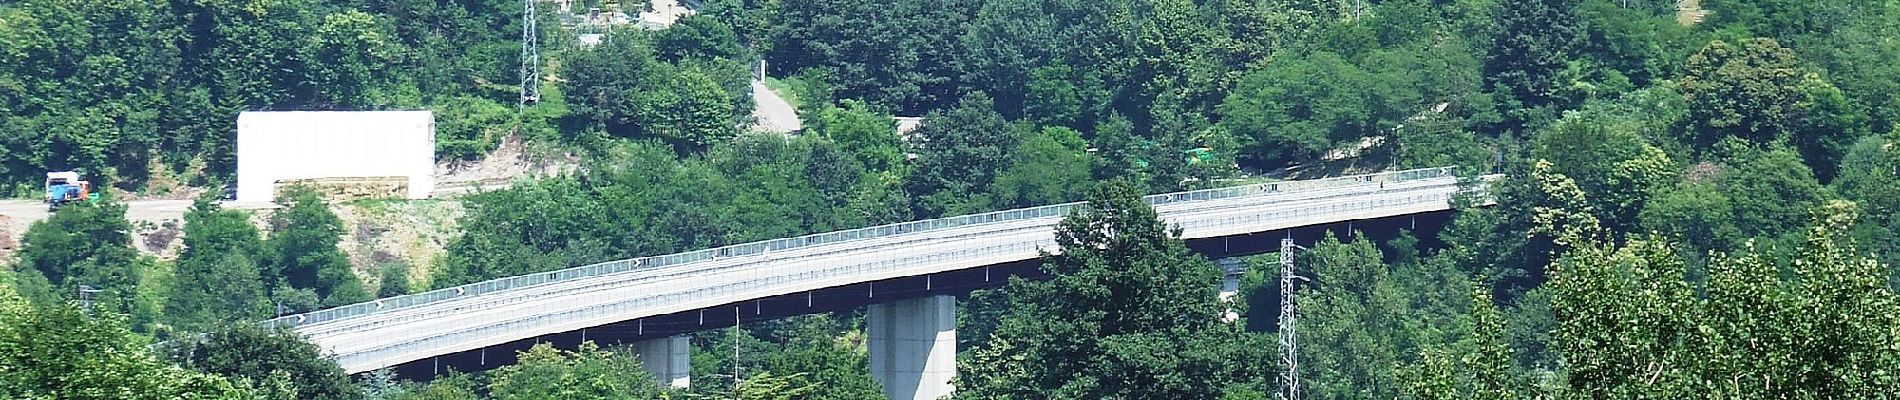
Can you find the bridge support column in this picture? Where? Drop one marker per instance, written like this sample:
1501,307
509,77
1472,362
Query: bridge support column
914,347
668,359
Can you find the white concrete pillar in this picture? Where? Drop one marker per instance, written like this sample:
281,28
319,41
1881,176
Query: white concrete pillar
669,359
914,347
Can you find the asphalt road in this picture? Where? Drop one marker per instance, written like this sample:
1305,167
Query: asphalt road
685,287
772,113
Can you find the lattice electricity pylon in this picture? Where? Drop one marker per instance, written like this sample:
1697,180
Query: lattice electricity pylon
530,55
1290,378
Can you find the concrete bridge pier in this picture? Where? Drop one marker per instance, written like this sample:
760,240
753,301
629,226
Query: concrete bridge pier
668,359
914,346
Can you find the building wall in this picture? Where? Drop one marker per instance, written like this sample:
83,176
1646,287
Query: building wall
275,146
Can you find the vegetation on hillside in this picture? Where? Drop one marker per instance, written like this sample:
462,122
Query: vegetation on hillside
1701,210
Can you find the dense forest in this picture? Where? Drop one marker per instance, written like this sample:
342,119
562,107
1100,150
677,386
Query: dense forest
1699,199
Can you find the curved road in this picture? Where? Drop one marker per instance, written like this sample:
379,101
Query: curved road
399,335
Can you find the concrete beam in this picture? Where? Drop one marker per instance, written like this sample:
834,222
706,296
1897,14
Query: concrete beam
668,359
914,347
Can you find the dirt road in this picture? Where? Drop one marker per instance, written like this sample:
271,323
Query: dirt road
18,215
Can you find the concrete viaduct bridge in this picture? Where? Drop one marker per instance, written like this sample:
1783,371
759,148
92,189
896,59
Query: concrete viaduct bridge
906,274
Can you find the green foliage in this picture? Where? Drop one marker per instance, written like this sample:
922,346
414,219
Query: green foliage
1128,313
468,127
959,154
1870,175
639,201
1476,367
113,87
1768,190
394,280
85,244
1048,167
622,87
1607,159
1697,213
546,373
1296,108
1532,42
901,55
1816,324
60,352
304,253
245,352
698,37
859,131
1757,91
1362,317
216,279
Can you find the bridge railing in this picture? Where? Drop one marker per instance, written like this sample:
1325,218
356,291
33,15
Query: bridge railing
754,248
566,313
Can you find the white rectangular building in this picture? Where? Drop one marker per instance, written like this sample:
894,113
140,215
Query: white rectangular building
276,146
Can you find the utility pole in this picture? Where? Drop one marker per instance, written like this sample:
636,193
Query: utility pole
1290,379
530,55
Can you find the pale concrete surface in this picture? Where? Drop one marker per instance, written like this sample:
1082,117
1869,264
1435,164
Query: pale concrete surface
914,347
411,333
668,359
771,112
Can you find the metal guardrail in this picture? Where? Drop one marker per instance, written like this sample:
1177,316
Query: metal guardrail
645,263
556,314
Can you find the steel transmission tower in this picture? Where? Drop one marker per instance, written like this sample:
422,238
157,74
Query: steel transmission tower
1290,379
530,55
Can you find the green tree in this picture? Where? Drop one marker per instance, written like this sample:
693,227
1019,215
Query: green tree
1367,311
87,244
215,279
1870,175
545,373
1756,90
394,280
1296,108
1609,160
698,37
1128,313
1048,167
691,112
1815,323
1476,367
249,353
60,352
304,253
1768,189
1532,43
1695,212
960,151
855,127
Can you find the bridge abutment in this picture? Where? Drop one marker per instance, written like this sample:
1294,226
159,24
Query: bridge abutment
668,359
914,346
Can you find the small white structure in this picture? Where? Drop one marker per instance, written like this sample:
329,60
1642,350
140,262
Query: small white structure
275,146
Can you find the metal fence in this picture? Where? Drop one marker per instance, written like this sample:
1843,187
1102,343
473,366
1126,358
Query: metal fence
558,314
754,248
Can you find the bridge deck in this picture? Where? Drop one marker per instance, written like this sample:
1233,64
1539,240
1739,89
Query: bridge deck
564,302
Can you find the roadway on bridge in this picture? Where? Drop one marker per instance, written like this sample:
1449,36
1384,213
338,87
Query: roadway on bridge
406,334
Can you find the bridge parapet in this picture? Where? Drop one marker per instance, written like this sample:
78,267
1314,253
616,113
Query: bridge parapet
762,247
573,299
